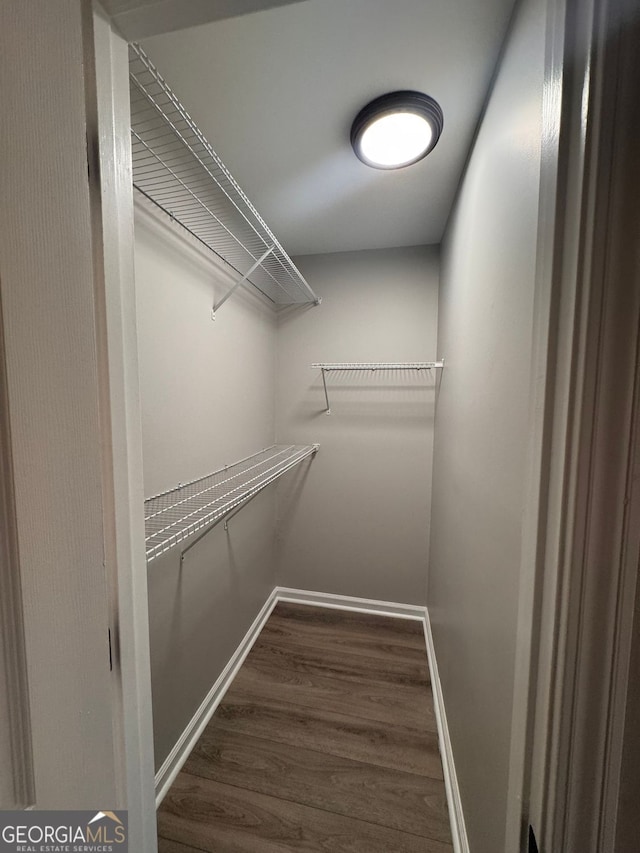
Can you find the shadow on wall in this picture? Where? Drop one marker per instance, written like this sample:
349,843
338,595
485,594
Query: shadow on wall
197,575
365,398
290,487
289,313
171,658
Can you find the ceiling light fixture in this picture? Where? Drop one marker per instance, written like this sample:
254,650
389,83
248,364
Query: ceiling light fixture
396,129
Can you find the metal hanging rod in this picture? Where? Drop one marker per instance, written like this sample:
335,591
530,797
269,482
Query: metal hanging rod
371,366
176,168
175,515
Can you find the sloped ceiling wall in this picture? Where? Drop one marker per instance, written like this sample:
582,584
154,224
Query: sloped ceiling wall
138,19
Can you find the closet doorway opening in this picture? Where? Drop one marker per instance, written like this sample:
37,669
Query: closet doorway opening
390,387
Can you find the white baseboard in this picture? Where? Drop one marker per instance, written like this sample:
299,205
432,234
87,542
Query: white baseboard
454,801
180,752
348,602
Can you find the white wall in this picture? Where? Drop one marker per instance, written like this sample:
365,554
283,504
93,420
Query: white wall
355,521
486,312
207,390
206,385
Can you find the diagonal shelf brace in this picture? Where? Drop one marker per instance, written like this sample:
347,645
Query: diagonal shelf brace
245,277
326,393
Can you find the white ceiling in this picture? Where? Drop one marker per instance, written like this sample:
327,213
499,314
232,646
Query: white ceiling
275,93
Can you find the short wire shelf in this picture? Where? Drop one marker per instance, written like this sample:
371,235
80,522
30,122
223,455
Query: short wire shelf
379,365
175,515
177,169
373,366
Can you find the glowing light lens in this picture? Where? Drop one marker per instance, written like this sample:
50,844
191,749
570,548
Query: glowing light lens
396,139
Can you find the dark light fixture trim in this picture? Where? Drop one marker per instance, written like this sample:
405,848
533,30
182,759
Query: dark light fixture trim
407,101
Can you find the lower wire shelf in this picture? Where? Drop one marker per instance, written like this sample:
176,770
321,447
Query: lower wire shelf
175,515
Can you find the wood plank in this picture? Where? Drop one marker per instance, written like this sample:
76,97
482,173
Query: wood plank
403,801
219,818
168,845
408,705
342,664
325,741
334,641
388,628
398,747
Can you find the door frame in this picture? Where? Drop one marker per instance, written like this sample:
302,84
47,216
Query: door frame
13,665
580,527
118,379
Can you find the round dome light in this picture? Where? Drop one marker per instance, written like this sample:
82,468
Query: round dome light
396,130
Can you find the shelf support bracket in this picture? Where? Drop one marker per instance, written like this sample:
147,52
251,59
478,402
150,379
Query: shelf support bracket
226,518
231,291
326,394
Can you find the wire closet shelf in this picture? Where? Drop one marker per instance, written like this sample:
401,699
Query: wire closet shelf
373,366
176,168
175,515
378,365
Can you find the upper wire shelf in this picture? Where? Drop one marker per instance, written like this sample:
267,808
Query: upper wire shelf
379,365
327,367
177,169
173,516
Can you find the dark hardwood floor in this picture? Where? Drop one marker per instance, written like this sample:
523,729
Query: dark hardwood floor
326,741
